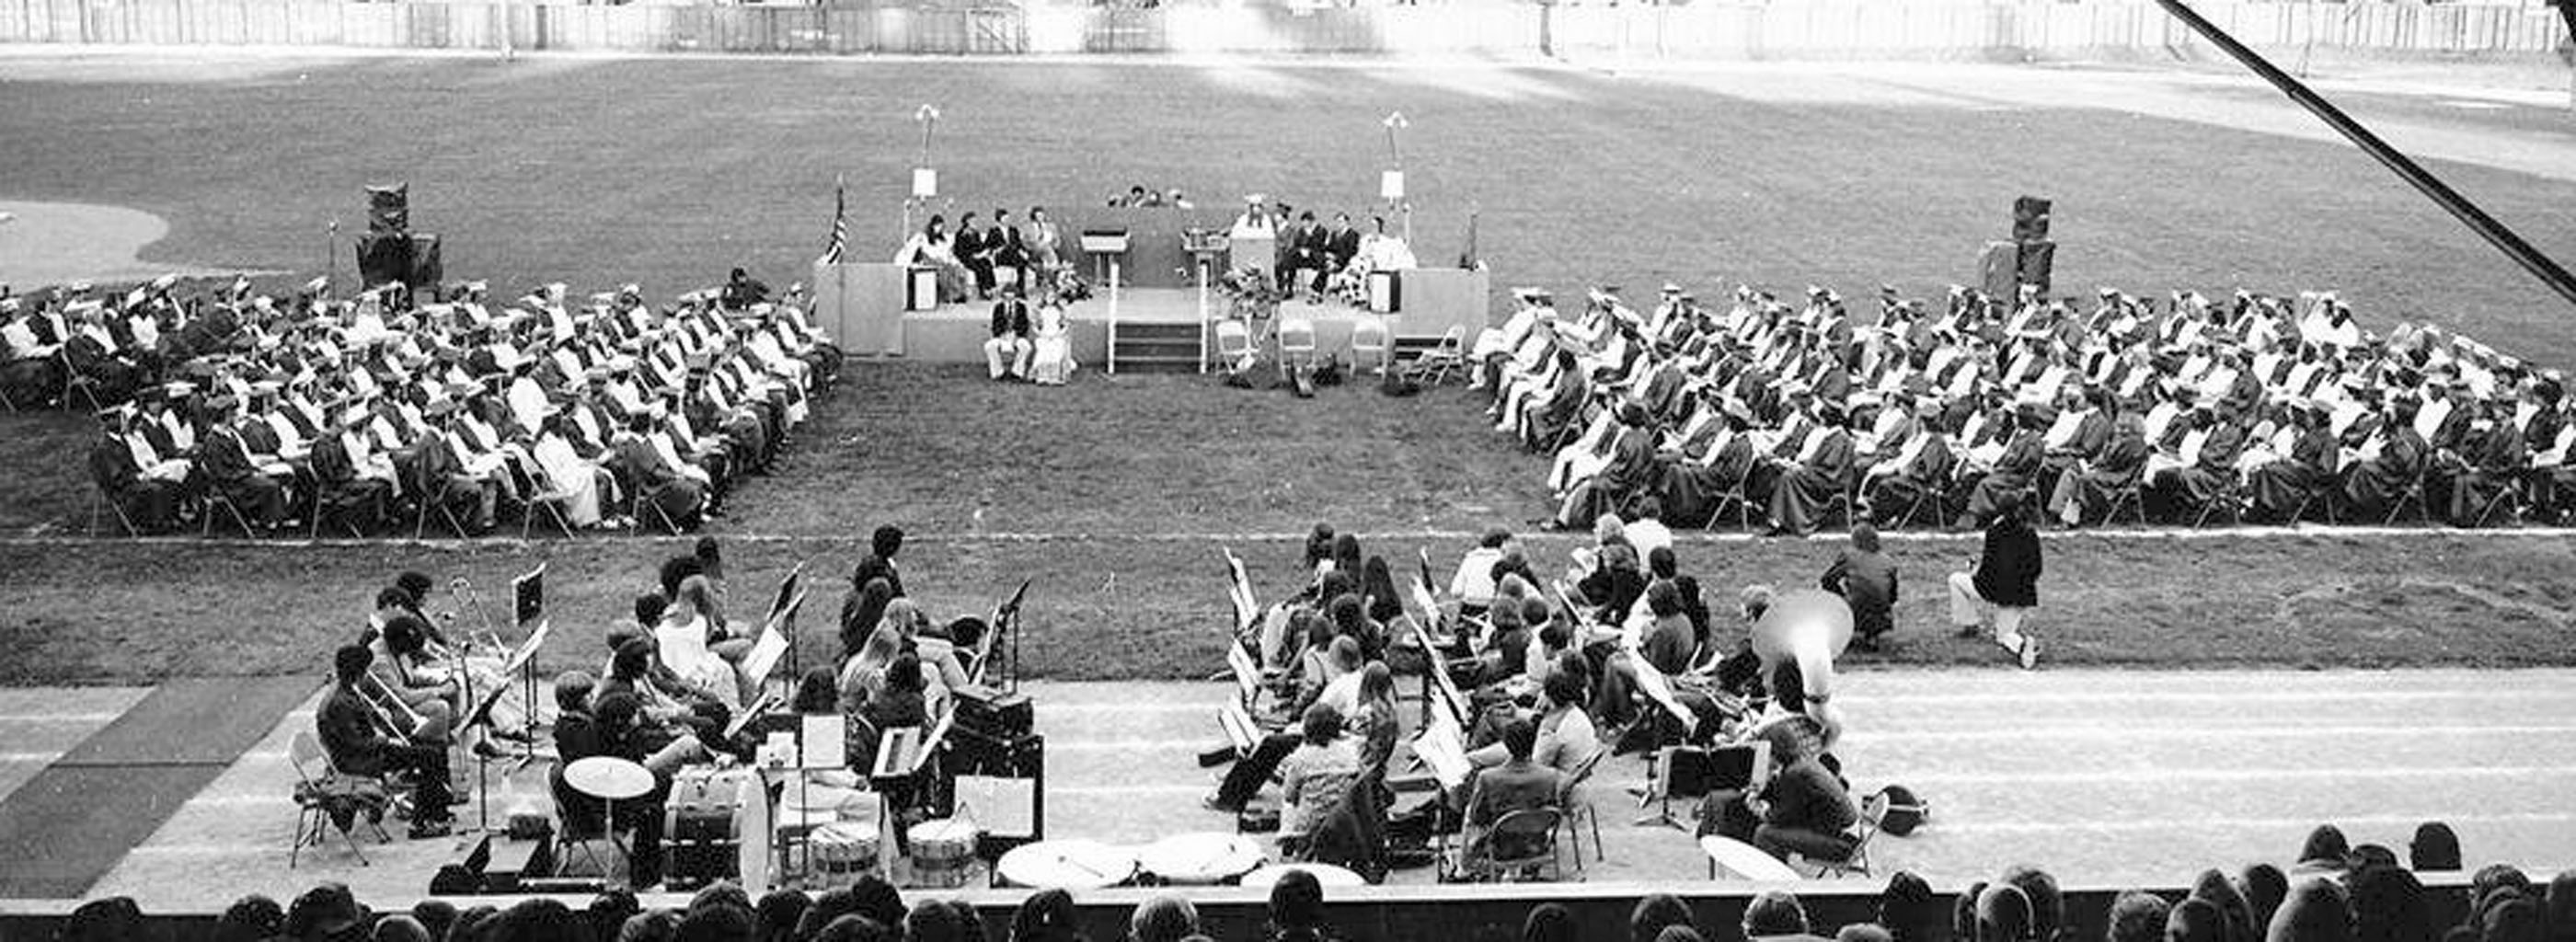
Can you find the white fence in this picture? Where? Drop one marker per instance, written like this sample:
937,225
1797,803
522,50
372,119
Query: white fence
1785,29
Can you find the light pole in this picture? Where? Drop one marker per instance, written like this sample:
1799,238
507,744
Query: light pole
1391,184
925,180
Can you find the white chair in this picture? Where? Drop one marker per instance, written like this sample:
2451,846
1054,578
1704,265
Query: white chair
1369,345
1233,343
1297,340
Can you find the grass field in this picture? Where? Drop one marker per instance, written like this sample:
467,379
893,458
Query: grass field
1116,496
1107,494
667,171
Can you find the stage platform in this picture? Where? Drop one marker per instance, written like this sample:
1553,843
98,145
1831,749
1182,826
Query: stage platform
955,333
862,305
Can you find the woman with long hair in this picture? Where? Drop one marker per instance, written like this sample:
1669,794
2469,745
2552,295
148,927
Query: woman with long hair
1377,585
687,637
933,248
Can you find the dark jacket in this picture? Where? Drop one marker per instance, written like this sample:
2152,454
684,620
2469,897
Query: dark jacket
347,728
2008,572
1805,795
876,567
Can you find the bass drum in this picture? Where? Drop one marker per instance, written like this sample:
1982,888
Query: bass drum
699,832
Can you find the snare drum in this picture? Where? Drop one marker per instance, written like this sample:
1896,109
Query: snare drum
1066,865
1200,859
941,851
842,851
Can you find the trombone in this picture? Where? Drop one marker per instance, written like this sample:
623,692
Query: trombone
385,705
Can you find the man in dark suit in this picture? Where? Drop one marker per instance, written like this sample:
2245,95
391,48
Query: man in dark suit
1518,784
974,250
1804,808
1304,249
1344,243
354,740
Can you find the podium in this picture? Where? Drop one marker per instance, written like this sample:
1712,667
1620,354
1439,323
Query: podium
1256,252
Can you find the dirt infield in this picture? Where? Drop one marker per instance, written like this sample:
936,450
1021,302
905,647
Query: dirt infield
56,243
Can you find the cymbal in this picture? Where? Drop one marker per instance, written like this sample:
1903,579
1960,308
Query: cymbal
1325,874
608,777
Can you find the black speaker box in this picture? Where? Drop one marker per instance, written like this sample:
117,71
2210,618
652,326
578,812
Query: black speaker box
426,270
384,257
2030,219
2037,258
974,753
389,208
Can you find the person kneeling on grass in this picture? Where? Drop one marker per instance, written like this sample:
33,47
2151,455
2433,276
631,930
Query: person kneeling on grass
2005,585
1866,580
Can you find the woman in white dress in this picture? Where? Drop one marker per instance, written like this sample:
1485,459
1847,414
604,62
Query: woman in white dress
1053,363
934,249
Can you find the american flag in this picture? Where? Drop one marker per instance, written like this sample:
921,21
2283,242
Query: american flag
840,223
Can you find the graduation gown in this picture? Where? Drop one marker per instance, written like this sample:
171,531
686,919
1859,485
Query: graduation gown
1631,470
2377,483
2500,458
1692,491
111,465
2014,471
1804,490
2281,486
2091,488
2216,469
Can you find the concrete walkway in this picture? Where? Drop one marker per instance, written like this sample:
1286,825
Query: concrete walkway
2103,777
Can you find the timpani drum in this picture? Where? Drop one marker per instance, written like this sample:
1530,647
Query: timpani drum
1327,874
1204,859
941,851
1066,865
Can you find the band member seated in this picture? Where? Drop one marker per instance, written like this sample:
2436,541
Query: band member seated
1318,776
1804,808
353,736
402,668
1566,738
1519,783
608,726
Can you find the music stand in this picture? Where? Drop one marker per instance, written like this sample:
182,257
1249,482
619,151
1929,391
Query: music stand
1006,617
1658,691
783,606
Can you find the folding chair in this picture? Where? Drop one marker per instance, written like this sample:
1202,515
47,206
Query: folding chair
2230,498
77,381
1737,499
2510,497
315,799
1579,812
216,498
338,511
1369,345
1532,830
1233,343
1873,810
1296,340
98,498
2415,493
432,499
2134,494
1450,353
544,498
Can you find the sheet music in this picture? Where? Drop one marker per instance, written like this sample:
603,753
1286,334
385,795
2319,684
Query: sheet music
894,752
789,596
1443,747
1240,731
1002,807
759,705
765,652
1651,681
823,741
1247,675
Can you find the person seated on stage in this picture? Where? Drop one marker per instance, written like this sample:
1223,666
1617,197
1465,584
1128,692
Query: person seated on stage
1305,247
1519,783
1566,737
896,705
616,726
975,247
1804,807
932,248
1472,586
1867,580
1332,683
1006,355
400,665
674,730
351,734
1341,245
1318,774
1255,221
